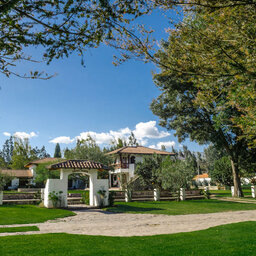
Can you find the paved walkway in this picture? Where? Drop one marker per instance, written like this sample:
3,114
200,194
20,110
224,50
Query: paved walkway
97,222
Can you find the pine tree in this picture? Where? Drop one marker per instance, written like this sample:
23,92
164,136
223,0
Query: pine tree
57,152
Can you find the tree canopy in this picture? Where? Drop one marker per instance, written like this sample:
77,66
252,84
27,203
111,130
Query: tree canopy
178,110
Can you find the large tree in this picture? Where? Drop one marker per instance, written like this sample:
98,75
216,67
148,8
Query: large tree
175,174
22,154
177,109
147,170
57,152
61,27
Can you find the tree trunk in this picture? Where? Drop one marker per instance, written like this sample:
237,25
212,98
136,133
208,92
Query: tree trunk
236,178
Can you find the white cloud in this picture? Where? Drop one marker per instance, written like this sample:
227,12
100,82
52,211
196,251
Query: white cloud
167,144
143,131
24,135
100,138
149,130
6,134
122,133
62,139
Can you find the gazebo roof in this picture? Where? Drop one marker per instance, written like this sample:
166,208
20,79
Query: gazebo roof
78,164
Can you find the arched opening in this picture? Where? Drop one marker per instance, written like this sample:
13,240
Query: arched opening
132,159
99,188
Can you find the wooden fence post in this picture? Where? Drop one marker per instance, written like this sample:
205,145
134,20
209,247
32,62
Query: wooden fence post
253,191
128,195
156,194
182,194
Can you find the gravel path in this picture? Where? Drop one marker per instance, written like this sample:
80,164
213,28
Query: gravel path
97,222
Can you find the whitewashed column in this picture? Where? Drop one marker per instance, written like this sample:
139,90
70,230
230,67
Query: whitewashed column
94,200
156,194
128,195
232,191
253,191
182,194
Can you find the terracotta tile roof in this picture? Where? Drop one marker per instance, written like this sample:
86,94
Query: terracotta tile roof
201,176
41,161
139,150
18,173
78,164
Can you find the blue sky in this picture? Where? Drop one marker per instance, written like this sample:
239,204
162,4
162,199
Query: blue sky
102,99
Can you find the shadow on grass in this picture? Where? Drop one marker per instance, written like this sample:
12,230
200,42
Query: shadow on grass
129,208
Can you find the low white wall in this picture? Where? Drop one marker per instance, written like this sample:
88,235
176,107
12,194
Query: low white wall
59,187
102,184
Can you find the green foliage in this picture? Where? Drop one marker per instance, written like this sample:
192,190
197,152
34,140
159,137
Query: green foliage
57,152
174,175
212,154
61,28
111,198
222,171
89,150
85,197
7,152
55,197
4,179
177,105
22,154
132,141
43,173
206,194
148,170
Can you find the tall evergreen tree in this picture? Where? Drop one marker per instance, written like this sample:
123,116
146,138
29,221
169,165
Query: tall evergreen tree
7,151
57,152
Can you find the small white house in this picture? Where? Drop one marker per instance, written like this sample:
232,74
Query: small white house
20,178
32,165
125,160
202,179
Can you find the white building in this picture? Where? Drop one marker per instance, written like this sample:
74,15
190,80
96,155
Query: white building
125,160
19,178
202,179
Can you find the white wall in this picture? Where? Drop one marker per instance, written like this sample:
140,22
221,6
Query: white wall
56,186
14,183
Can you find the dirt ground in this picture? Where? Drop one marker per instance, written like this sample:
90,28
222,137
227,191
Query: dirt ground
97,222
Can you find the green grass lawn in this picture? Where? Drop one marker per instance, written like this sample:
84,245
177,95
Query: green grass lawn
234,239
77,191
227,193
24,214
178,208
19,229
